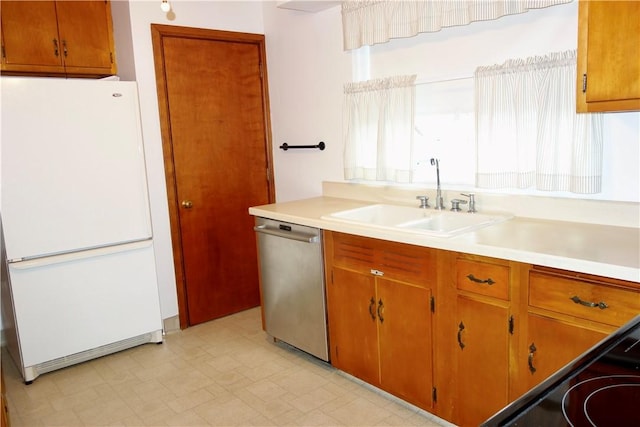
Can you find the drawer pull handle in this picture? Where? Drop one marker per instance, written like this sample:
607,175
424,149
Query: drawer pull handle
532,350
372,305
601,305
460,329
488,281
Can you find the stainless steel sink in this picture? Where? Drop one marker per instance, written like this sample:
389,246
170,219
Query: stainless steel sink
415,220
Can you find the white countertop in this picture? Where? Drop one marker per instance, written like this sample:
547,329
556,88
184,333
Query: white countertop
602,250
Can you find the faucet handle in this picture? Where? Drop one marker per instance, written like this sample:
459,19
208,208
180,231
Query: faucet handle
472,201
424,201
455,204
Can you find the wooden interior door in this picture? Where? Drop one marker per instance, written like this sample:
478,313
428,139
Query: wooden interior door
212,92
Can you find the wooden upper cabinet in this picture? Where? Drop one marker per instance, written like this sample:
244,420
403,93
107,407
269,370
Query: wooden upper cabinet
86,32
608,69
49,38
30,36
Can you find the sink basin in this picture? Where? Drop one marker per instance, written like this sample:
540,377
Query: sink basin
415,220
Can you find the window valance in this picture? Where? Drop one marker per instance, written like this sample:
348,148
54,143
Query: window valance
367,22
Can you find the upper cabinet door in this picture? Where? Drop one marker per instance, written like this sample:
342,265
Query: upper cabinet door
86,36
52,38
608,72
30,37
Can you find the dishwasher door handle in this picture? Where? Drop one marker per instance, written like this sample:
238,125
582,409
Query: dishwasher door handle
301,237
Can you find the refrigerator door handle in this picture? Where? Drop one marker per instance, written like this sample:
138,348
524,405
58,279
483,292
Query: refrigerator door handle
22,264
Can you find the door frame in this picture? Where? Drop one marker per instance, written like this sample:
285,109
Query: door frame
158,32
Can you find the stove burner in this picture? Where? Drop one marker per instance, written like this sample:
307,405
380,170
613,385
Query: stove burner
603,401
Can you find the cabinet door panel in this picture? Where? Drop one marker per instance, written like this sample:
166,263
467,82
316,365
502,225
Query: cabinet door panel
84,34
611,51
482,331
353,331
608,48
405,341
552,344
30,36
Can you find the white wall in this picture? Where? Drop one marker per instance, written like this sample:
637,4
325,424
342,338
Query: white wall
307,68
241,16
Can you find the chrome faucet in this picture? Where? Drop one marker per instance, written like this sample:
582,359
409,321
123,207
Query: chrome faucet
472,202
439,199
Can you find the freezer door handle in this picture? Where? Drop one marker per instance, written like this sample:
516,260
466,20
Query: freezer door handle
25,263
293,235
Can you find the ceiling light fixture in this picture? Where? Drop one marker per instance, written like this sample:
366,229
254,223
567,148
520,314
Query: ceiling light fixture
165,6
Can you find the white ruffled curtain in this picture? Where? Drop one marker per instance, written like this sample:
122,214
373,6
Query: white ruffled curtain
528,132
378,129
367,22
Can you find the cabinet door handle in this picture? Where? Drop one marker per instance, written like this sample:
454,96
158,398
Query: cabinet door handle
460,329
55,47
372,305
601,305
64,47
532,350
380,310
488,281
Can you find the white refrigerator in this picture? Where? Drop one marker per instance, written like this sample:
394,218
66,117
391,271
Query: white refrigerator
78,266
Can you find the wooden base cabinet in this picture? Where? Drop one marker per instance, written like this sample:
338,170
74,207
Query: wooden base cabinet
353,324
483,327
568,313
456,334
404,331
482,376
552,343
380,318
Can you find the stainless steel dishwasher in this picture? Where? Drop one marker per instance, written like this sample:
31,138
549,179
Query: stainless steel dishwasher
293,288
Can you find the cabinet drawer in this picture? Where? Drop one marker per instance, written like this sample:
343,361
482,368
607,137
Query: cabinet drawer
483,278
587,300
392,260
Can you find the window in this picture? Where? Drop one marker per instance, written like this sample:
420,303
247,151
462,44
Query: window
444,126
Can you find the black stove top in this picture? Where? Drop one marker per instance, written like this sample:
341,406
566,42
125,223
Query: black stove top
601,388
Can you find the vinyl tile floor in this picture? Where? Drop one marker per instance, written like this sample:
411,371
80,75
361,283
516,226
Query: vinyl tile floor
226,372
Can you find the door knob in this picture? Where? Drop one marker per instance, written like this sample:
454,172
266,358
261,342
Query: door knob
187,204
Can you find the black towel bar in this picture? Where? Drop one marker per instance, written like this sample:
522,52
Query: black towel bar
286,146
